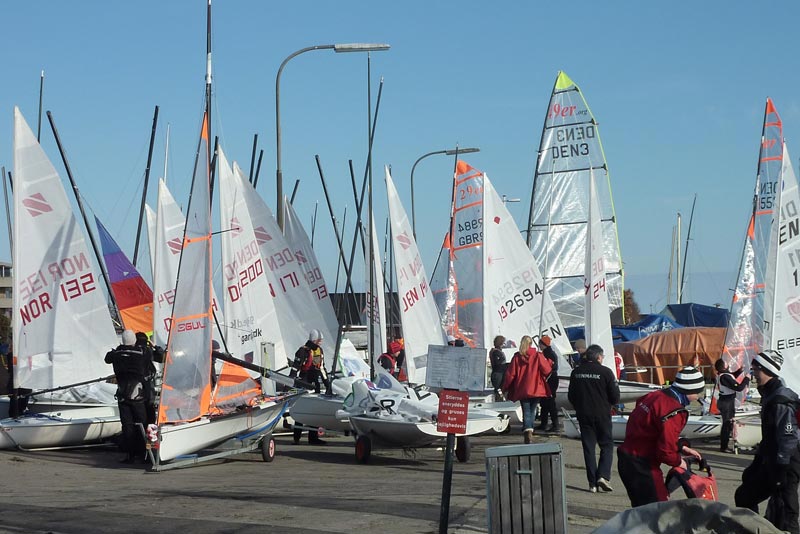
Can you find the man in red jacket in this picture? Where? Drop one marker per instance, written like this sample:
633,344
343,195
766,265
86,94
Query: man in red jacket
651,437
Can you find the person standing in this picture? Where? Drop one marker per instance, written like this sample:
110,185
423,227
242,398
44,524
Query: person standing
593,391
309,364
728,385
389,359
130,368
652,437
143,342
549,404
525,382
775,470
497,358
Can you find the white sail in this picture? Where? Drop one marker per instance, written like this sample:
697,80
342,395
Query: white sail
570,148
168,245
186,391
375,302
782,296
418,314
300,245
515,302
250,316
62,325
598,320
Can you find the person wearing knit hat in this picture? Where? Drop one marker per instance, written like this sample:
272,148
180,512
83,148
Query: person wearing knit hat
775,471
309,365
652,437
388,360
549,409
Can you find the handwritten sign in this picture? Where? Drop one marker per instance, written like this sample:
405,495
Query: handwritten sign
453,408
460,368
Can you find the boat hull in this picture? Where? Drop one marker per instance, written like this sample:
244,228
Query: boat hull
76,426
698,427
628,392
189,438
318,410
406,434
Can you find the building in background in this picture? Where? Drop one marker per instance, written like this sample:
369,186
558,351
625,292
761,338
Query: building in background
6,289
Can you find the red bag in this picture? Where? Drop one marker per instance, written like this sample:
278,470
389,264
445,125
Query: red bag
700,485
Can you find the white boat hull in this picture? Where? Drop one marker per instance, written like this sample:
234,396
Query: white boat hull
747,431
318,410
511,410
189,438
400,433
76,426
698,427
628,392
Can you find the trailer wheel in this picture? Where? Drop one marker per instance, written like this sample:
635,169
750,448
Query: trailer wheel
463,449
268,448
363,449
503,424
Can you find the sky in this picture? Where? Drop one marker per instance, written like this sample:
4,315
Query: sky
678,90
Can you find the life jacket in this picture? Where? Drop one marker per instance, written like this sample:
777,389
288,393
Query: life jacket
386,357
723,389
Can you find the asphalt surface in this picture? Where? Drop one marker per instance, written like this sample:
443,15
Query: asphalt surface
306,489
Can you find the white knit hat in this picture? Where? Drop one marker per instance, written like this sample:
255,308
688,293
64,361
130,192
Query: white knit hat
128,338
689,381
769,360
314,335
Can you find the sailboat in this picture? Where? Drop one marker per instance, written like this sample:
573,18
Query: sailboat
62,325
598,327
388,413
194,414
570,152
781,293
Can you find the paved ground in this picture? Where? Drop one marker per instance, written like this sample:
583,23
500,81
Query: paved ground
307,489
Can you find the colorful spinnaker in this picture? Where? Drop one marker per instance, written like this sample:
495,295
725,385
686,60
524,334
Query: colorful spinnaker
133,296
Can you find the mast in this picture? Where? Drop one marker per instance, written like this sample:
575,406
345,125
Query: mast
208,75
75,190
686,248
671,265
41,92
144,188
679,281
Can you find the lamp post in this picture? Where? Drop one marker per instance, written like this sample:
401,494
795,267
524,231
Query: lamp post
350,47
449,152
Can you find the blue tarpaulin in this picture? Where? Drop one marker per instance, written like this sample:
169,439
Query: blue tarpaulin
692,314
648,324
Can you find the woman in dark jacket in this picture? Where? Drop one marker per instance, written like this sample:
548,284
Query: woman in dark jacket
525,382
498,360
549,409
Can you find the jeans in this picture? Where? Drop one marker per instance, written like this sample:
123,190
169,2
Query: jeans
528,412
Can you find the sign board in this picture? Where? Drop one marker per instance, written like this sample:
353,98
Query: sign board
460,368
453,407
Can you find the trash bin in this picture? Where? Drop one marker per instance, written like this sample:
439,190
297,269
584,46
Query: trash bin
525,489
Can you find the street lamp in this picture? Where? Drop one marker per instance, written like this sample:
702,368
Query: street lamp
449,152
350,47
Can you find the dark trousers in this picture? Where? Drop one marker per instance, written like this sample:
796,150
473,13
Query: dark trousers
131,414
759,483
597,431
549,409
643,480
727,409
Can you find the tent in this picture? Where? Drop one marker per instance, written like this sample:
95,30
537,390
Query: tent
692,314
657,358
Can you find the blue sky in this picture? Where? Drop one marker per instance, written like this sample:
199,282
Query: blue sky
678,89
